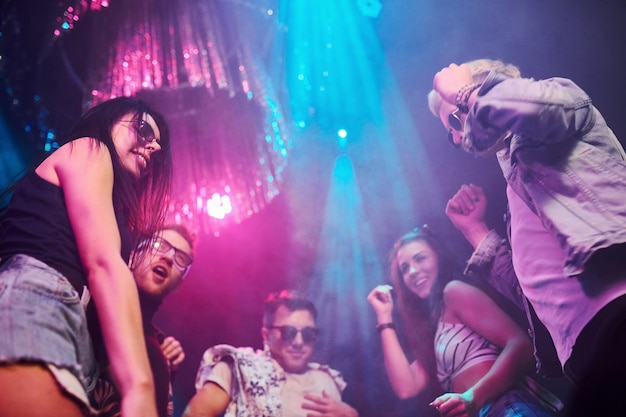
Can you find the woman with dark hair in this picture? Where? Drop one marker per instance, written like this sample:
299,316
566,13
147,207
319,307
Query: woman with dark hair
480,355
66,236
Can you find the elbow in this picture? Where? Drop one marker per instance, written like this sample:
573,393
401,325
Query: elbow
404,394
407,391
523,355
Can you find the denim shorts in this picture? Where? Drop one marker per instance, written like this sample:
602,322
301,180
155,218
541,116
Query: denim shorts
514,403
43,321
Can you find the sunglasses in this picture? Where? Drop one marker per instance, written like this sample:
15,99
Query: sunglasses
455,124
145,131
182,260
289,333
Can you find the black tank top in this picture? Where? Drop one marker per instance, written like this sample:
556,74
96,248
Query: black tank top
36,224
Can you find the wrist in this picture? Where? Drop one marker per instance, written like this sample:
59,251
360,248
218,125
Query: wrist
473,399
475,234
462,100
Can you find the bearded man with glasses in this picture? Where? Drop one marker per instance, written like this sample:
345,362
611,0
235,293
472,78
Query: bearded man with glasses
159,266
277,381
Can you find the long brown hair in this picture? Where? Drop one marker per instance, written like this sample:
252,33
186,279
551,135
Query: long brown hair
420,316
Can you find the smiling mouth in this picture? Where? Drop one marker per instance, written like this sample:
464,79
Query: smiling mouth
143,160
419,282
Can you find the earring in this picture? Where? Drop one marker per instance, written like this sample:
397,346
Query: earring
266,349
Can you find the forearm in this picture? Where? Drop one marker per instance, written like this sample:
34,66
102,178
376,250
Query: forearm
406,380
513,363
543,111
210,401
475,233
115,296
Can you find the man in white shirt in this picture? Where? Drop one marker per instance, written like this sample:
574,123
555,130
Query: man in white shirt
277,381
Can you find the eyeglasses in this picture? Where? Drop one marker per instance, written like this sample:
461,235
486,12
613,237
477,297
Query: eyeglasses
455,124
182,260
289,333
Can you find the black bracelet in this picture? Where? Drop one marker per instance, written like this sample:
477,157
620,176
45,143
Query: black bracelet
463,95
380,327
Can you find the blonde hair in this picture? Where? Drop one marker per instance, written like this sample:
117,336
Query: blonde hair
479,69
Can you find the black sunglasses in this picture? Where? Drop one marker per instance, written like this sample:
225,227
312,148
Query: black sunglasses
455,123
145,131
182,260
289,333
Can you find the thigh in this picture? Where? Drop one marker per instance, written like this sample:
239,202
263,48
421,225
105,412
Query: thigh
31,391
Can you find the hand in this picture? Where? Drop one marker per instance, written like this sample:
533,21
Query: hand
173,352
467,207
327,406
382,302
466,210
455,405
449,81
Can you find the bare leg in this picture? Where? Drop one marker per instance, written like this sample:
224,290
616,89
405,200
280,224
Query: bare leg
30,390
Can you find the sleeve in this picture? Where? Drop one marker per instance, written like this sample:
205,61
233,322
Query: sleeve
537,112
222,375
492,261
216,366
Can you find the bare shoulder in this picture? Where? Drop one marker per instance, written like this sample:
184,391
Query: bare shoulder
78,157
83,148
459,295
456,289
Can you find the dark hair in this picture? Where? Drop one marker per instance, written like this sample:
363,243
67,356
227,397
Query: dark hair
420,316
291,300
145,200
185,232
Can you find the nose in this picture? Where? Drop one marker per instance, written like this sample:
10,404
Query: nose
298,341
153,146
455,138
168,257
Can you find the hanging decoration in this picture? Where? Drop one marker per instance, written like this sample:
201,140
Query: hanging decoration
192,60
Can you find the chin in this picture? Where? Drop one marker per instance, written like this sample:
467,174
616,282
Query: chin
296,369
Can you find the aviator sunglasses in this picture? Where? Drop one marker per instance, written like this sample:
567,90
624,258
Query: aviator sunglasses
289,333
455,123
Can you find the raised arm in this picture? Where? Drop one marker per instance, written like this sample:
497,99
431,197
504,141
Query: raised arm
407,379
84,171
542,111
477,311
466,211
491,260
